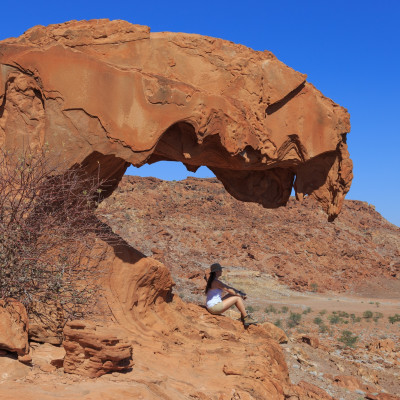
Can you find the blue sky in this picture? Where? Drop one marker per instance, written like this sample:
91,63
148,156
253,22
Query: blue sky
350,50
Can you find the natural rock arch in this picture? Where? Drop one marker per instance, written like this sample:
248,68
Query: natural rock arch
112,88
112,94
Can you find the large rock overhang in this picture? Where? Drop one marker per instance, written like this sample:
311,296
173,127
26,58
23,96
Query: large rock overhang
112,92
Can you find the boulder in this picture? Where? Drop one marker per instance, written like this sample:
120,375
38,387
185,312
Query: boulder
94,350
184,340
47,357
12,370
14,327
312,341
274,332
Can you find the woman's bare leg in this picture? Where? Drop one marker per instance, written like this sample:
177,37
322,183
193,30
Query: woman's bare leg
228,302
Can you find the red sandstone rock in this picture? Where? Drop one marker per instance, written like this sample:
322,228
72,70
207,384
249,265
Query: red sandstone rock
307,390
382,345
352,383
11,370
313,341
256,123
184,340
14,327
93,350
274,332
25,359
381,396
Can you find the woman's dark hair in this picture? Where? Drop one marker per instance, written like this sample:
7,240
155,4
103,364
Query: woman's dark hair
210,281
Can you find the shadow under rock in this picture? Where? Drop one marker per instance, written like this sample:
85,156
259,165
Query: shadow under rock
122,249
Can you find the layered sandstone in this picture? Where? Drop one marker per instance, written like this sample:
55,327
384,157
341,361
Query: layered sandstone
186,350
94,350
113,93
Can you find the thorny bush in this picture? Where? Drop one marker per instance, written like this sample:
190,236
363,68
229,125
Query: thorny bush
49,236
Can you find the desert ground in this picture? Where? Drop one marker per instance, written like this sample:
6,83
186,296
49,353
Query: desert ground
305,275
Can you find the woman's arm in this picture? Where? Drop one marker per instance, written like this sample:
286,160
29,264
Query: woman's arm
229,289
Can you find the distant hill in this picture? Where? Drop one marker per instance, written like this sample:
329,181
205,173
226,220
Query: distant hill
192,223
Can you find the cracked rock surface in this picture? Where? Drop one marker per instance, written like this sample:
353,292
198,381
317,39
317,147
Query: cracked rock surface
115,93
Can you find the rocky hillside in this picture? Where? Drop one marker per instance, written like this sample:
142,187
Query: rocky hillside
191,223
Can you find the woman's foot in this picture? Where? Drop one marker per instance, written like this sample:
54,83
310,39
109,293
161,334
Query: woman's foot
248,320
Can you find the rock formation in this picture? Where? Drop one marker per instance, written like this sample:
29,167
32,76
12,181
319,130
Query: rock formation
13,327
109,94
275,333
113,93
93,350
179,343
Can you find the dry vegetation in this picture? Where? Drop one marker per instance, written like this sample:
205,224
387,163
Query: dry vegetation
48,233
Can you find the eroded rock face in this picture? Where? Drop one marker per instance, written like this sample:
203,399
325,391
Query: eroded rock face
188,351
94,350
113,92
46,324
13,327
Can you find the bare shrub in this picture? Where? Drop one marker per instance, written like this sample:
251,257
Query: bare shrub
348,339
49,253
294,320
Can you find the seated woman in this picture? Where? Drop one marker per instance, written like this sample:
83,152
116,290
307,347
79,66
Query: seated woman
217,304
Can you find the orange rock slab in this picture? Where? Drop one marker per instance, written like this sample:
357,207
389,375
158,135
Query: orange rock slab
115,93
14,327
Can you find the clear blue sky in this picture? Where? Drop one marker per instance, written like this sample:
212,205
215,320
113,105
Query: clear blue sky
350,50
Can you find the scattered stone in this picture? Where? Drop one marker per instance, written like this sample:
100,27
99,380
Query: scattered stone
368,374
25,359
231,370
301,356
382,345
47,368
